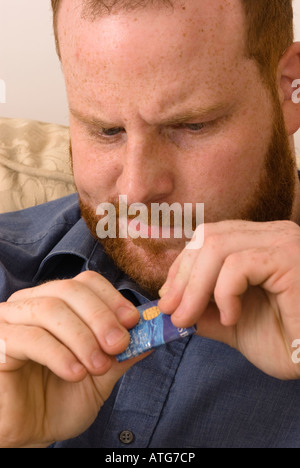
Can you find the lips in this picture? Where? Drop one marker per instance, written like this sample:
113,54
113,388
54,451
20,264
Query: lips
147,231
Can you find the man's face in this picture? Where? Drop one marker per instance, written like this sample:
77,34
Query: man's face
165,107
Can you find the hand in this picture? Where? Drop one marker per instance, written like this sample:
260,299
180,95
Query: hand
60,341
242,288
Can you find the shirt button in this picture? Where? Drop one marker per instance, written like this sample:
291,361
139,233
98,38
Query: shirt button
126,437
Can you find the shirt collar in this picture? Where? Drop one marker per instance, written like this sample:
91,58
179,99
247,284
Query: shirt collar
79,244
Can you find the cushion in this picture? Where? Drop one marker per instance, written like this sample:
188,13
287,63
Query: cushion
34,163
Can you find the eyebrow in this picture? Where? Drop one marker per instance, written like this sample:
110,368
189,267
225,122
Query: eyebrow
89,120
197,113
203,114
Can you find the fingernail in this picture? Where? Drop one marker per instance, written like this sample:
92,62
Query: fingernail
179,312
114,336
164,305
77,368
163,291
98,359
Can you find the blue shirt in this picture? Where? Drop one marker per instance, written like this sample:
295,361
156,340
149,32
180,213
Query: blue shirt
192,393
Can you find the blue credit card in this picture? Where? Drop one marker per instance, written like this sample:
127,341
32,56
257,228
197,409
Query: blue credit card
153,330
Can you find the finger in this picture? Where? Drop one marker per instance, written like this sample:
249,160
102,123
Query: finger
209,326
125,311
185,271
106,382
178,278
197,287
112,337
232,283
171,275
23,344
267,268
55,317
193,286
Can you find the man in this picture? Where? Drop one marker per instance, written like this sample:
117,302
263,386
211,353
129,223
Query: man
170,101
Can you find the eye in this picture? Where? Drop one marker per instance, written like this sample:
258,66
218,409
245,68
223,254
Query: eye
194,127
104,135
111,131
190,132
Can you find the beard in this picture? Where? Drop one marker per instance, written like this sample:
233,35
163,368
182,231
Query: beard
147,261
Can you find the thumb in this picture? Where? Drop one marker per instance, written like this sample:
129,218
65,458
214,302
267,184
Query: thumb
105,383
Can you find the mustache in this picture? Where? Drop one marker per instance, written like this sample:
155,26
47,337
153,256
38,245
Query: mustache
150,214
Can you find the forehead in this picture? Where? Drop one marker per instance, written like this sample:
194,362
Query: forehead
195,40
214,20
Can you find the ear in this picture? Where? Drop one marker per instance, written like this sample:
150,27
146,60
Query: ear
289,87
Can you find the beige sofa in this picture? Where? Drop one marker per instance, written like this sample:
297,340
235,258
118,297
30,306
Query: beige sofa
34,163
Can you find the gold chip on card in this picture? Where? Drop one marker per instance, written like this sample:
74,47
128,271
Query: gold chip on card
151,313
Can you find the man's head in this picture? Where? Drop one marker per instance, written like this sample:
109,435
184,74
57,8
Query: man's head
269,25
180,101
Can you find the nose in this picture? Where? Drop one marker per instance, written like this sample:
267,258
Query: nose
146,174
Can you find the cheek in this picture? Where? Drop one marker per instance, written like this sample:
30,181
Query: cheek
94,176
226,173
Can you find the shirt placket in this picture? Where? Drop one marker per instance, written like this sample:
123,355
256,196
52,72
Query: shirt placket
135,416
